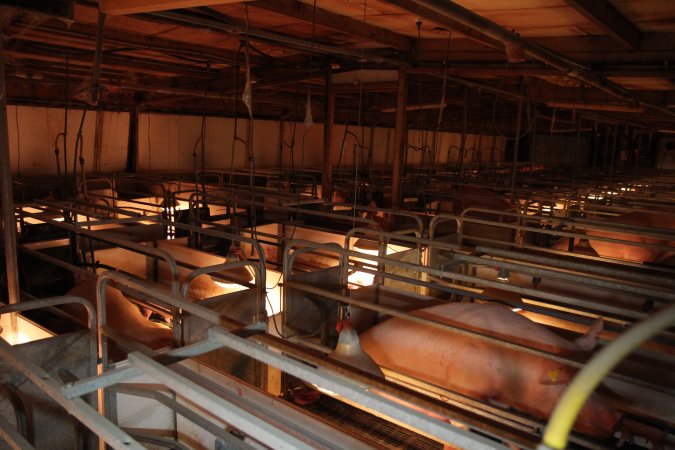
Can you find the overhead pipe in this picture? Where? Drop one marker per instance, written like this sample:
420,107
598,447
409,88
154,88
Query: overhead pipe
454,12
237,29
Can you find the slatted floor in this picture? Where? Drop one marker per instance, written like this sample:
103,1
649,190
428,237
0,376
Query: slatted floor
378,430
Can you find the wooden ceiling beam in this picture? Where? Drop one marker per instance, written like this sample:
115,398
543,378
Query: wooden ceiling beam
56,54
608,18
305,12
122,7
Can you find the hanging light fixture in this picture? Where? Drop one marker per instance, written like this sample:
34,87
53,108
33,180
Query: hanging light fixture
358,278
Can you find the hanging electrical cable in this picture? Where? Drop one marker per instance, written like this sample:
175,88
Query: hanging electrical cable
77,155
65,128
441,106
248,101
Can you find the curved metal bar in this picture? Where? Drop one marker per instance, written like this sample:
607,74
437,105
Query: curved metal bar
24,421
111,239
585,382
55,301
260,280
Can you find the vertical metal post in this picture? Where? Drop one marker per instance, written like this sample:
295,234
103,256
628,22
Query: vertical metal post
400,136
8,220
329,117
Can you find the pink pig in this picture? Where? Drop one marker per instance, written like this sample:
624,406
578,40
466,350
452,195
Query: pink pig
487,371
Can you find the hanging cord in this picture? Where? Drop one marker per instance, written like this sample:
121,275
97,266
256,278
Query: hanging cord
78,156
202,138
441,106
56,154
235,117
359,141
344,135
248,100
18,141
530,122
65,127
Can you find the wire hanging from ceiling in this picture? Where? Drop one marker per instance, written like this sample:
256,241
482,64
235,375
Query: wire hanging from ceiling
441,107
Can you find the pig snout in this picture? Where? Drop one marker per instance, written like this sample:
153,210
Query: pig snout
482,370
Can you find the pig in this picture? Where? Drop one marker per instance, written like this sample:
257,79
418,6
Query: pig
632,252
486,371
479,197
123,316
627,251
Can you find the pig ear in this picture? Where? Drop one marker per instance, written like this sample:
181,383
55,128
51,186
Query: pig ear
560,375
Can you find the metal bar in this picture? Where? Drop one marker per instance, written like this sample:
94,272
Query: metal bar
12,437
54,301
111,377
216,430
587,268
260,282
7,203
226,411
358,392
110,433
111,239
576,278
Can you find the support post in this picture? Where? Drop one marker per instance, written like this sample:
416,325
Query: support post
400,136
329,117
6,198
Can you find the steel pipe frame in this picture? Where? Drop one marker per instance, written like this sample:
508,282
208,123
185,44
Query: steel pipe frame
110,239
288,264
55,301
112,377
190,415
260,282
227,411
362,394
251,348
12,437
577,266
488,260
43,380
461,219
271,206
102,427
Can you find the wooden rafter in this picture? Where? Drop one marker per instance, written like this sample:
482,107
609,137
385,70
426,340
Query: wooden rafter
121,7
607,17
327,19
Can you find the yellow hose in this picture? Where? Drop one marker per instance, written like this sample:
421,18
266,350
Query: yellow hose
583,385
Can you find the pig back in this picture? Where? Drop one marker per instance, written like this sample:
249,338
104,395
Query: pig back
484,370
123,316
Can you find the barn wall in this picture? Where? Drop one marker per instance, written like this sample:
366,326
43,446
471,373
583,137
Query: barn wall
172,143
33,133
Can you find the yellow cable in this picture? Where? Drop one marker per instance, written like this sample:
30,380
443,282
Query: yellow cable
583,385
